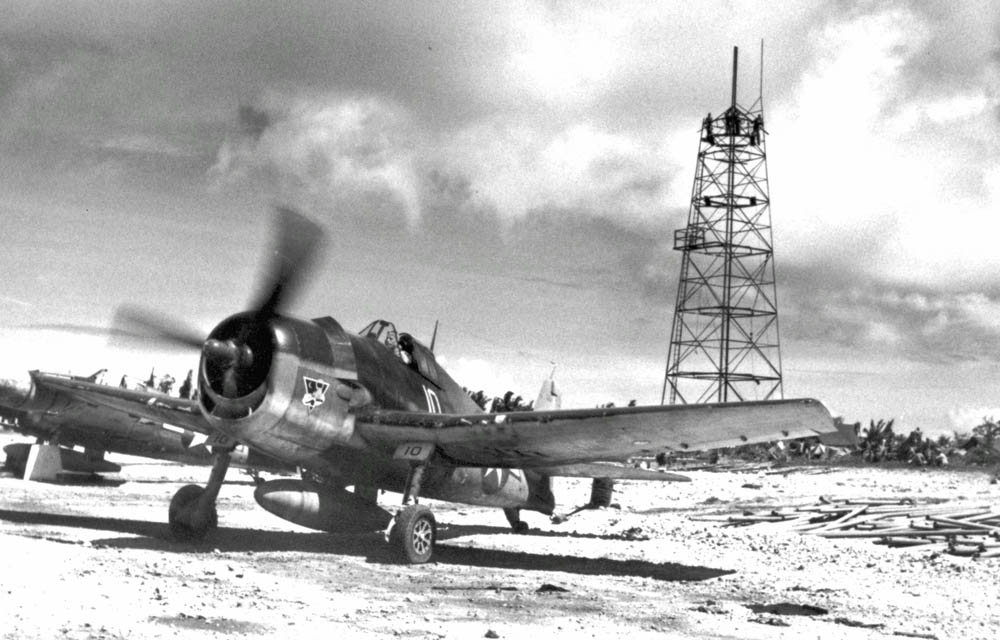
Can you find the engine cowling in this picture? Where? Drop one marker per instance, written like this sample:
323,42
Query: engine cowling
320,507
273,382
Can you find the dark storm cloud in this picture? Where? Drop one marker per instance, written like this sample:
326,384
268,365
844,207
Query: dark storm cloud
316,150
348,159
110,96
173,74
450,65
958,47
614,253
26,58
253,121
458,226
37,71
81,113
428,54
447,66
405,118
863,314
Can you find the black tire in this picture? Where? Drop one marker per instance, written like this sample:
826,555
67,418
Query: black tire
180,529
601,492
414,534
514,518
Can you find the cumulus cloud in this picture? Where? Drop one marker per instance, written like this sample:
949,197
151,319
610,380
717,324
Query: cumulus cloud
518,167
866,148
326,149
329,151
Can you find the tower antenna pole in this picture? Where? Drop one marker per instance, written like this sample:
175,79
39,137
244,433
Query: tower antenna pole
760,94
736,55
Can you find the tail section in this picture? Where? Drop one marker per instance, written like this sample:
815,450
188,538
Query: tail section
548,398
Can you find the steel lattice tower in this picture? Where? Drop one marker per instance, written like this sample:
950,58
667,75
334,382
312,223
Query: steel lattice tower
724,341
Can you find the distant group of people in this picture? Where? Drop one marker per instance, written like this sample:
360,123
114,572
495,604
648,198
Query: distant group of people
507,403
511,402
164,384
808,448
878,442
920,451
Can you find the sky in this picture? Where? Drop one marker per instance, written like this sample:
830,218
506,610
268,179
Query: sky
514,170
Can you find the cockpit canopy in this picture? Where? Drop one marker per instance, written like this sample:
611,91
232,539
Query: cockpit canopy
383,332
405,347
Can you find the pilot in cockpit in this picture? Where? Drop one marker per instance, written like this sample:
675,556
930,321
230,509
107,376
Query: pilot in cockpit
406,350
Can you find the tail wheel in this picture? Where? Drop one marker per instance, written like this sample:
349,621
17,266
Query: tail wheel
414,534
514,518
180,509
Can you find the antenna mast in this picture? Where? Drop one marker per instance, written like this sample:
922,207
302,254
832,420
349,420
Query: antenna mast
724,339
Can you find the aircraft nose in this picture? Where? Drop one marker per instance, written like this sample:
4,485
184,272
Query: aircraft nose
14,389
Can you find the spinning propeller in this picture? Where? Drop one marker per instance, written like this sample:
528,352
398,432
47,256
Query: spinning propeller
237,353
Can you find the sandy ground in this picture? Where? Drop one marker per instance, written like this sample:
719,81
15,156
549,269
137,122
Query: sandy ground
96,562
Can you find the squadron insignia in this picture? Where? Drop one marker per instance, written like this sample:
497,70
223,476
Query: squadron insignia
315,392
496,479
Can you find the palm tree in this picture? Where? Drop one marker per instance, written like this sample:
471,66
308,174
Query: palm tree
877,440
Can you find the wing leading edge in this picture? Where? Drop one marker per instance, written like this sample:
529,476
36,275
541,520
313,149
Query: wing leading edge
152,406
546,438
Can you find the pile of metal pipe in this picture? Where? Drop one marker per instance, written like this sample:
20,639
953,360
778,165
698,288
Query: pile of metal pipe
972,531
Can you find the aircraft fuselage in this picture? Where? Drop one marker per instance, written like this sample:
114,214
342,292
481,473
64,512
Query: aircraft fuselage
318,376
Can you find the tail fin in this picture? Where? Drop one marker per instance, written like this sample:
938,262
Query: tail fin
548,398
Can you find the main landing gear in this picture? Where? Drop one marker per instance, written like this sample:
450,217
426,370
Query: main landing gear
413,530
192,509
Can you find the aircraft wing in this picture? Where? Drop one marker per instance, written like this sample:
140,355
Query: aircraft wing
60,391
565,437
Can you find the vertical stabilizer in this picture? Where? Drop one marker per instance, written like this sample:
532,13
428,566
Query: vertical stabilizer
548,397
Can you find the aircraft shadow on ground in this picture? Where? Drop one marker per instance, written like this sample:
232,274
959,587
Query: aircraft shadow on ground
156,536
227,483
449,531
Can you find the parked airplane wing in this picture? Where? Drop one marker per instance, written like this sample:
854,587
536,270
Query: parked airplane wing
547,438
59,391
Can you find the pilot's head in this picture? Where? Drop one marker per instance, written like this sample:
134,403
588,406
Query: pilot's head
406,342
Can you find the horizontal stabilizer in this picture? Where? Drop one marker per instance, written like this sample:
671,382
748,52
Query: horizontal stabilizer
844,436
46,462
609,470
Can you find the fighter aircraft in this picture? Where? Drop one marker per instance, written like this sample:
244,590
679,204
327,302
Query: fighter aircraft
374,410
66,424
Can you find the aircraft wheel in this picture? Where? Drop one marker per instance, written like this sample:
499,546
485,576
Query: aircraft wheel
181,510
414,534
514,518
